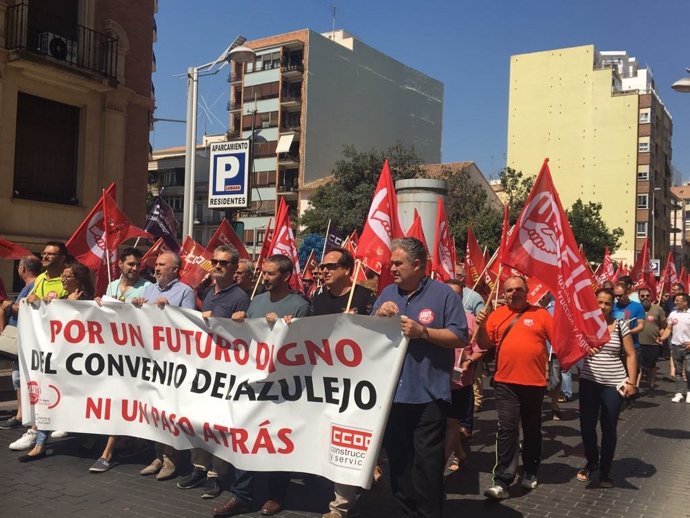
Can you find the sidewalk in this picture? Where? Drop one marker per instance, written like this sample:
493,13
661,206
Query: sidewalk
651,473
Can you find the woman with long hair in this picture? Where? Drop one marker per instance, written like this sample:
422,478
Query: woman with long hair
603,386
77,282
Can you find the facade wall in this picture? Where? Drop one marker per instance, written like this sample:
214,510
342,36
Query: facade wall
114,114
362,97
563,108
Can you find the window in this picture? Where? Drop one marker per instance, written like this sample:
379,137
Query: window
643,173
643,147
644,116
641,229
176,203
642,201
47,171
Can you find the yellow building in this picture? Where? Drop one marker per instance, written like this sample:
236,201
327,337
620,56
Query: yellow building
606,132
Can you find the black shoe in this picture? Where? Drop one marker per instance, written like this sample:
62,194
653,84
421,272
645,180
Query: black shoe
12,422
212,488
194,479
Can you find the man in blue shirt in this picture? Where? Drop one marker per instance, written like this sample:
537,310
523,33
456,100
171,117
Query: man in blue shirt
634,314
167,290
434,321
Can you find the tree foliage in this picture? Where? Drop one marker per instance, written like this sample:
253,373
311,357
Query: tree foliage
467,203
309,243
590,230
516,188
346,199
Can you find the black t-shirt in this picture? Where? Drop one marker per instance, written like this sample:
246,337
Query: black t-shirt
326,304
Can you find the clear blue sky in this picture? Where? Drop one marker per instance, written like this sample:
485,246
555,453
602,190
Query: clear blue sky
465,44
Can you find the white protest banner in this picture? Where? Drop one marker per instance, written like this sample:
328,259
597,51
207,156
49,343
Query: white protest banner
310,397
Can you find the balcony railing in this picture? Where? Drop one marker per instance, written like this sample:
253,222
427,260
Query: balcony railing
292,67
91,50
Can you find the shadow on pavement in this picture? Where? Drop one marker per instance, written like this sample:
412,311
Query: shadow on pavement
668,433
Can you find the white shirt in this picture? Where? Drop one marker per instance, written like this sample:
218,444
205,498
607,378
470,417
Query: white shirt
680,320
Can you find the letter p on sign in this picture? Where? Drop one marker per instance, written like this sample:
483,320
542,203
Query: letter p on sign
227,167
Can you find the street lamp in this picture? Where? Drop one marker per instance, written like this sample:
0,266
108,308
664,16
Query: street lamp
683,84
234,52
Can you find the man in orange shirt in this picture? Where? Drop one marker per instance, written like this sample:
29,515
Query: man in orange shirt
519,331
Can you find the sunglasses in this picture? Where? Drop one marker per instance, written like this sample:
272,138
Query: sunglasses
221,262
328,266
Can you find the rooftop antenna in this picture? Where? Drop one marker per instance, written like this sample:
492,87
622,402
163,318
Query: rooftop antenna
333,15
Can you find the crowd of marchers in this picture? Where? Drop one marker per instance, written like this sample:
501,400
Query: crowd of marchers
455,336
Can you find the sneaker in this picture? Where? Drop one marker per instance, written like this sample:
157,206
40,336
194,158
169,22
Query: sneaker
57,434
212,488
496,492
529,481
12,422
687,398
194,479
25,442
152,468
676,399
167,470
100,466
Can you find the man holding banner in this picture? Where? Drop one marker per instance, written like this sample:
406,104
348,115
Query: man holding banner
167,290
434,321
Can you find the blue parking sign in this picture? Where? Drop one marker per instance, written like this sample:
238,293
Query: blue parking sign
228,185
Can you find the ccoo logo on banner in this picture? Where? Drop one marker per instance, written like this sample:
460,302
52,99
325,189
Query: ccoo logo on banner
228,183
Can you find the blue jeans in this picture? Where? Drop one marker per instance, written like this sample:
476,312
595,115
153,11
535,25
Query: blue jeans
599,403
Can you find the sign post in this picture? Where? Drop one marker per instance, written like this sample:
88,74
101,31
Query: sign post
228,183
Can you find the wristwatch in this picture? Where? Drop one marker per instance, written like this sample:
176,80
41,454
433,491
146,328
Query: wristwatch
425,333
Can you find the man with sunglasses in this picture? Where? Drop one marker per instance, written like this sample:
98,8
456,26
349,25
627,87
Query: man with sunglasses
634,315
222,299
336,270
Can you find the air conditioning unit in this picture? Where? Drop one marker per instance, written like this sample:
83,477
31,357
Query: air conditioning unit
57,46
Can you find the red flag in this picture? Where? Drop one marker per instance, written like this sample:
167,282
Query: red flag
542,245
152,253
283,242
417,231
196,262
622,270
443,262
11,250
381,227
119,229
265,246
668,276
608,273
643,269
225,235
311,265
683,277
505,233
474,258
86,244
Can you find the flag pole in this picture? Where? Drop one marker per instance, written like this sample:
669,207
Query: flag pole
494,290
105,236
358,267
256,285
325,241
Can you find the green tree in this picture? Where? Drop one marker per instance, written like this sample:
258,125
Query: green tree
516,188
346,199
467,203
591,231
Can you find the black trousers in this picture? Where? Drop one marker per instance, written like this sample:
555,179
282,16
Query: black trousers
515,404
414,442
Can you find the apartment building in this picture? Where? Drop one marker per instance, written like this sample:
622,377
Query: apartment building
601,122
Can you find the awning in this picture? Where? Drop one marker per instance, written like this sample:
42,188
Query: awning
284,143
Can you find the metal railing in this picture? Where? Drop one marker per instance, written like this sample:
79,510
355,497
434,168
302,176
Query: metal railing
90,50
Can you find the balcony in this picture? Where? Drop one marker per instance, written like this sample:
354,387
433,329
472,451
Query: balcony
234,106
290,159
291,70
291,101
89,50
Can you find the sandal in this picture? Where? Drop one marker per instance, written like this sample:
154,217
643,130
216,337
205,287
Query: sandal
584,475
